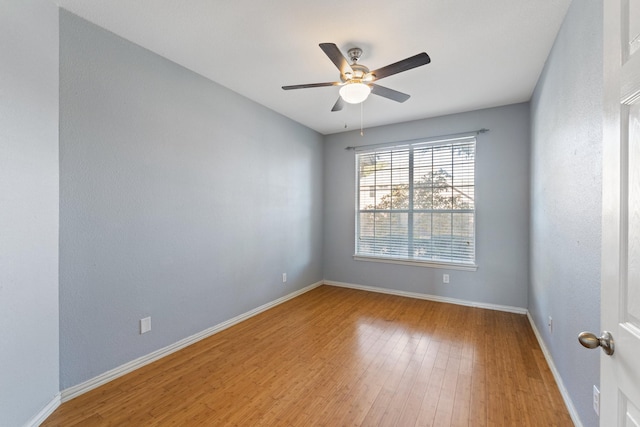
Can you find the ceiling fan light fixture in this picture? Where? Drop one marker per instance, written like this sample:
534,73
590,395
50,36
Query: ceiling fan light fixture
355,93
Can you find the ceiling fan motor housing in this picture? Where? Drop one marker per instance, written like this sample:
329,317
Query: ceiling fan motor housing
359,73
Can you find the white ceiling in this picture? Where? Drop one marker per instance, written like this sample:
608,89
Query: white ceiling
484,53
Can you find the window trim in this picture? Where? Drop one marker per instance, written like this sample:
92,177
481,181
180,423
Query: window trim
418,263
411,145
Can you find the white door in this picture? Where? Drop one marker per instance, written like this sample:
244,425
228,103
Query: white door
620,312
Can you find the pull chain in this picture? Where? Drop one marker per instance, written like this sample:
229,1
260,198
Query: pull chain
361,119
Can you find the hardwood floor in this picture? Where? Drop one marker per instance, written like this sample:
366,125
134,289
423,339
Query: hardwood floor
341,357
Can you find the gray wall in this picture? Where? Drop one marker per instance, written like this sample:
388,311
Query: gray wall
28,208
179,200
566,179
502,210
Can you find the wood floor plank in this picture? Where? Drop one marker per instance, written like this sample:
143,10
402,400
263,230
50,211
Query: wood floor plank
341,357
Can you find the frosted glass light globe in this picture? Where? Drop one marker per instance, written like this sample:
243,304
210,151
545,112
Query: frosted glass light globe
355,93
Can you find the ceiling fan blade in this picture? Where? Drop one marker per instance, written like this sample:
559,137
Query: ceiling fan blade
400,66
385,92
334,54
309,85
338,105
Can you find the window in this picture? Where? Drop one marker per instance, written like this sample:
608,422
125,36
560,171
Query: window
416,203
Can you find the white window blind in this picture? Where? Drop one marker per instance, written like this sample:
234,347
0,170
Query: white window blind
415,202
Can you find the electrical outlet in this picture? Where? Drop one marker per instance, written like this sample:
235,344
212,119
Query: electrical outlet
550,324
284,277
145,325
445,278
596,400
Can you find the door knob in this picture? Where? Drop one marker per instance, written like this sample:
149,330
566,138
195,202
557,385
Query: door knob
590,340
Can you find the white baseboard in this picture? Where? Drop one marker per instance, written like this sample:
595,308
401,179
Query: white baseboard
556,375
507,308
45,412
77,390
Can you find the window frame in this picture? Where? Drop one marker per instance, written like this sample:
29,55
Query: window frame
411,146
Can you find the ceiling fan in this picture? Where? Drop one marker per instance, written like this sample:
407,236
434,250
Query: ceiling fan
357,81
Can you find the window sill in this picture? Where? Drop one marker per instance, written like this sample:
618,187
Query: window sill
430,264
